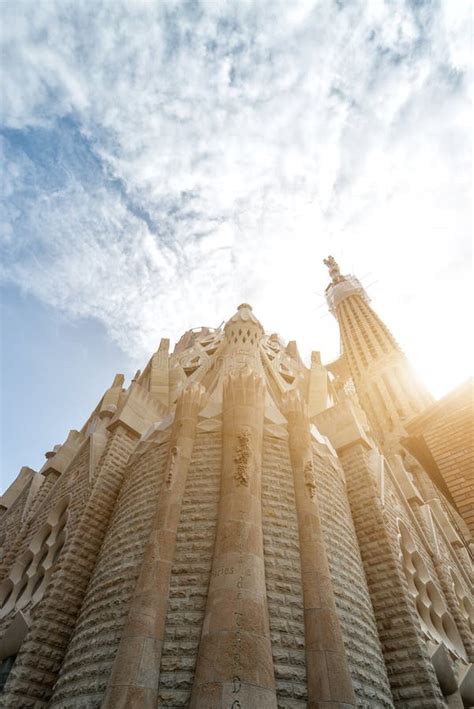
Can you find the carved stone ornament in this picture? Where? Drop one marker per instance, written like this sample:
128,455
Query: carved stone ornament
309,478
242,457
334,270
172,465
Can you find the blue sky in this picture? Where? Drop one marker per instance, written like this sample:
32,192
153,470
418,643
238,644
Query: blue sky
165,161
52,371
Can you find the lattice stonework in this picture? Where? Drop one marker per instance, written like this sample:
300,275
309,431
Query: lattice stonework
29,576
465,604
435,619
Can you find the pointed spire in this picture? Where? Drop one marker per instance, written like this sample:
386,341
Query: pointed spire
244,314
243,334
386,386
111,397
243,328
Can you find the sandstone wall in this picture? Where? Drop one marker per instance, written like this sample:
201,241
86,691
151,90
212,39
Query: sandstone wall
411,674
352,596
88,662
36,668
283,575
191,572
11,522
448,430
73,485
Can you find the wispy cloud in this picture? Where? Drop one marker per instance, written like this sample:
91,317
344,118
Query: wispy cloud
165,161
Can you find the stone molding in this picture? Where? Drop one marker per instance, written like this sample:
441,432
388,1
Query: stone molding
345,425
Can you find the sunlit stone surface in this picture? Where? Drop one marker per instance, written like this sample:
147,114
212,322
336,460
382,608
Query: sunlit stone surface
234,529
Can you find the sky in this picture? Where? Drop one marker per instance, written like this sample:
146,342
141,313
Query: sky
165,161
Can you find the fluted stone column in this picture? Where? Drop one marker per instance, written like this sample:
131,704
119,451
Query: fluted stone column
31,682
329,680
235,665
135,674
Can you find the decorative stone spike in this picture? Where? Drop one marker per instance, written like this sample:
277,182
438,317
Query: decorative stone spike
111,398
159,376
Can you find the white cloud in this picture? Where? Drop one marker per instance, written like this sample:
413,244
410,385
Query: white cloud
250,139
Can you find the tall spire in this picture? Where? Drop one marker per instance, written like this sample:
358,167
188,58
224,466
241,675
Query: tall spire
387,387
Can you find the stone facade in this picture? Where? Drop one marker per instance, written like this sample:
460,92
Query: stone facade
444,434
231,530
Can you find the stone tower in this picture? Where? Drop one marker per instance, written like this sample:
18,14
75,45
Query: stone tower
226,532
387,387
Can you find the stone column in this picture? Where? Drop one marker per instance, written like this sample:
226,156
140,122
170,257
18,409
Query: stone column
31,681
135,674
36,669
235,665
329,680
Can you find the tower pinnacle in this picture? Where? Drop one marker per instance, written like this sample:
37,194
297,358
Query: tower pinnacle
334,270
243,333
244,318
387,387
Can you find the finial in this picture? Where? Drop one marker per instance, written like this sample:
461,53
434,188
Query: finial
118,381
243,328
334,270
244,314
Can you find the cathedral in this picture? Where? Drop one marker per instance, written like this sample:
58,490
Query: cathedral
234,529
